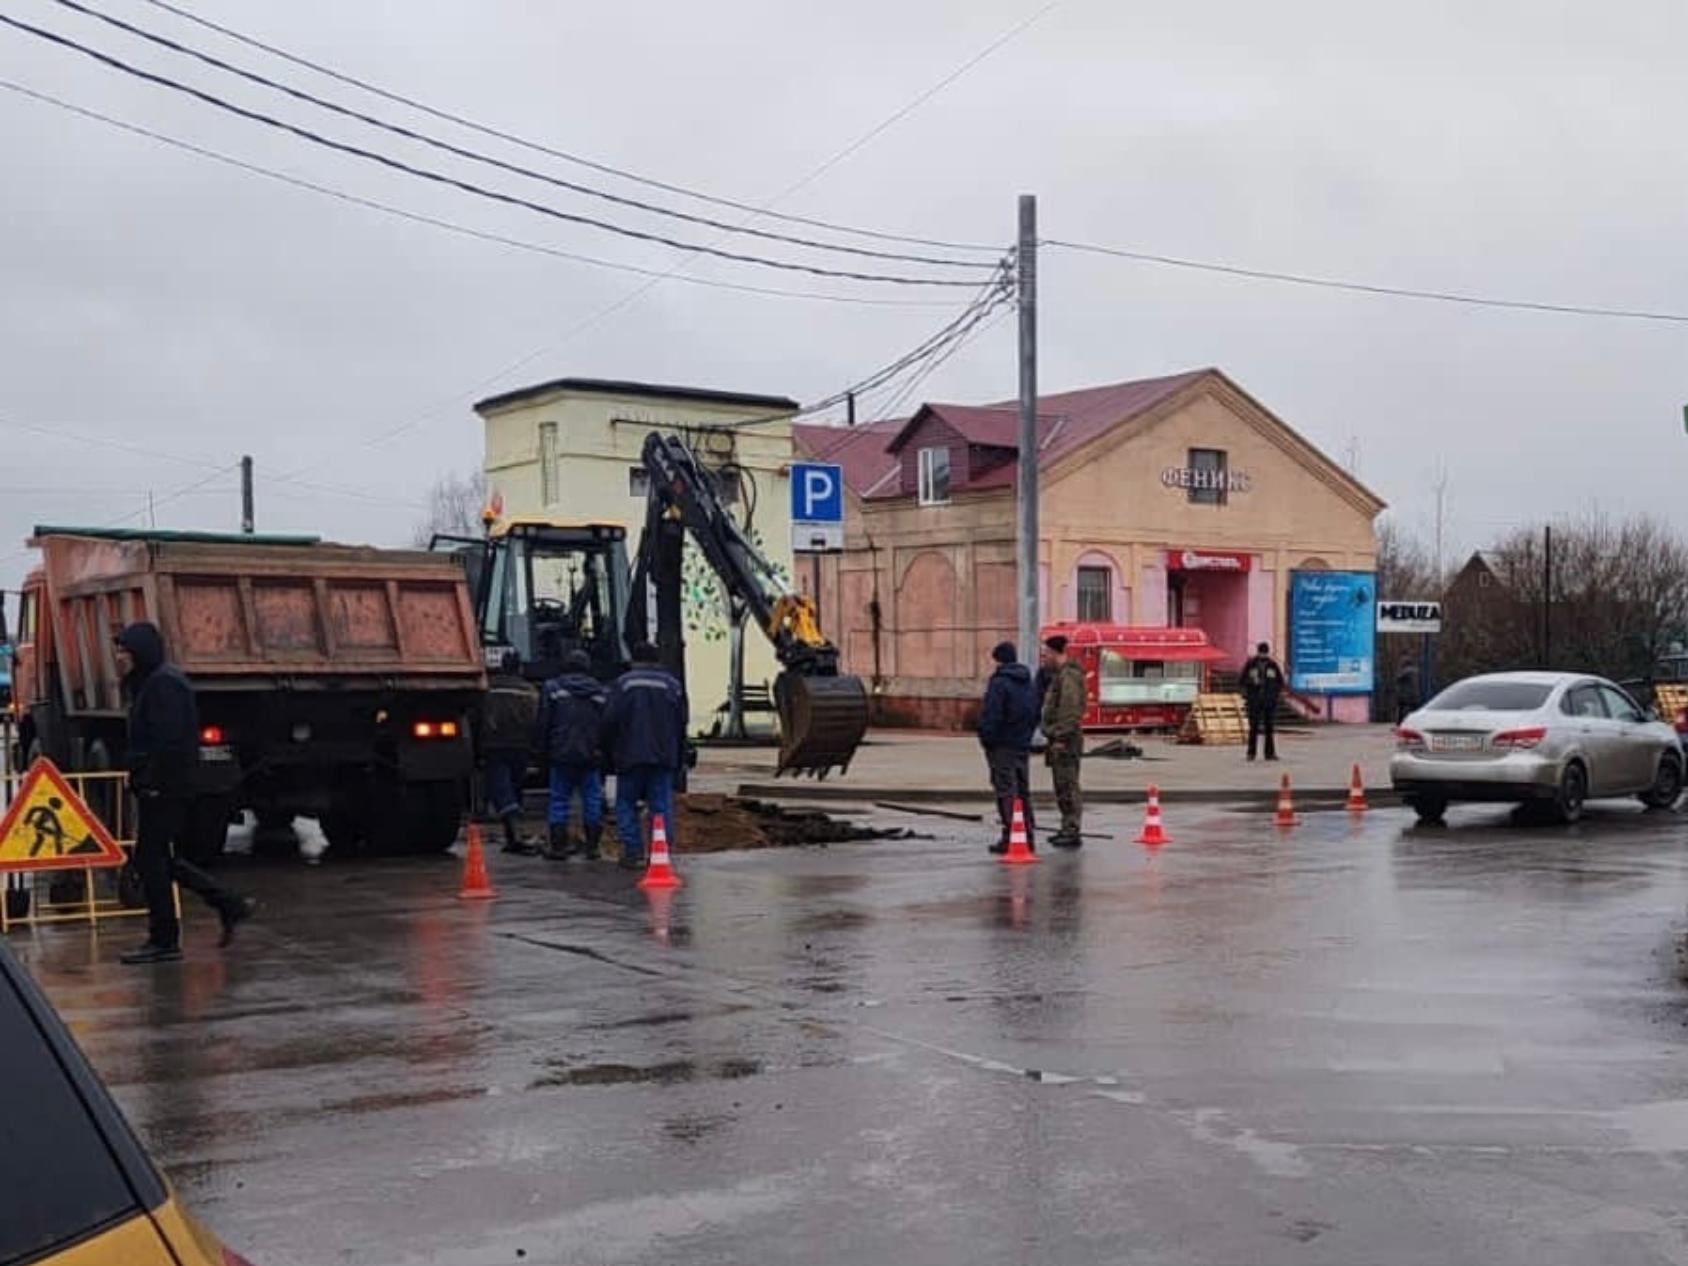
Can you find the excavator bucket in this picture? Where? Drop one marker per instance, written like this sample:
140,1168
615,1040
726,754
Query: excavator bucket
822,720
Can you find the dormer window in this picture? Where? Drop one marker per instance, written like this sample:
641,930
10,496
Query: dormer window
934,476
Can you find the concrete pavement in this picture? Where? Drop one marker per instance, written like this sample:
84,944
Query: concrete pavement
913,766
1359,1043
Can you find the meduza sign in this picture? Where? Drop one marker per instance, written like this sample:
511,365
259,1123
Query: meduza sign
1409,617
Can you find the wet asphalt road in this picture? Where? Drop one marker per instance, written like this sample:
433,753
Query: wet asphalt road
1356,1044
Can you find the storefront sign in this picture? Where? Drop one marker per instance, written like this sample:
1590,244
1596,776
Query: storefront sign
1409,617
1332,631
1207,560
1215,480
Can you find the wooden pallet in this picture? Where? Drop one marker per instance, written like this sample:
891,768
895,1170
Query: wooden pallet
1214,720
1669,698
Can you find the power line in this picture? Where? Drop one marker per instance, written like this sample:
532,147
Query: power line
1358,287
440,178
448,225
814,173
475,156
591,164
141,450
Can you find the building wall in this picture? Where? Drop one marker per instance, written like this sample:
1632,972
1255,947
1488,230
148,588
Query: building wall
599,438
945,575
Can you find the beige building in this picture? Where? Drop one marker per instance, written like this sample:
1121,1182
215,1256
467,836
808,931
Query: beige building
570,449
1170,502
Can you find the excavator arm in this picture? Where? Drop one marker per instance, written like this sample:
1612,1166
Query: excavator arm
823,713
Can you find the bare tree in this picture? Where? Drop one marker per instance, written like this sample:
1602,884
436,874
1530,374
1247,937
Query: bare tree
452,508
1616,600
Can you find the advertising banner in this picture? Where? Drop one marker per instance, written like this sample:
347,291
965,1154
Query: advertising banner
1332,632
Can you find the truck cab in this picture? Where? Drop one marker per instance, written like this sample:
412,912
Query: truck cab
543,588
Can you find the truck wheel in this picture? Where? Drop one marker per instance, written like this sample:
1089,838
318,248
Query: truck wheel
433,814
273,836
207,830
346,833
102,794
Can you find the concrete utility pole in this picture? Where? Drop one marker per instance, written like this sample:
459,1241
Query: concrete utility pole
247,522
1026,554
1547,597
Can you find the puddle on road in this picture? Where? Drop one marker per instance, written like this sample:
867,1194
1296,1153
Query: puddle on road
668,1073
834,921
658,1019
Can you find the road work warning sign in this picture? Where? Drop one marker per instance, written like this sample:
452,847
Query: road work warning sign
48,827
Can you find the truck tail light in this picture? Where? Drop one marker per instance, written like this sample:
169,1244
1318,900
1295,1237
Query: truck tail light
1681,721
1408,740
434,729
211,736
1519,740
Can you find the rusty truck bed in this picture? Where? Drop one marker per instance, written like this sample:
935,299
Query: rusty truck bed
239,614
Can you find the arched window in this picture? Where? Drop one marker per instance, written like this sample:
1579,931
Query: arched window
1095,579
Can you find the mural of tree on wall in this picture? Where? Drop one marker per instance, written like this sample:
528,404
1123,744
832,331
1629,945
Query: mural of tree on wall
703,601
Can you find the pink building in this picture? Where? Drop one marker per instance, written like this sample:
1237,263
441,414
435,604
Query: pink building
1168,502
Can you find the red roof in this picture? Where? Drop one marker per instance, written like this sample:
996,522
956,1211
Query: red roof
1138,642
1066,421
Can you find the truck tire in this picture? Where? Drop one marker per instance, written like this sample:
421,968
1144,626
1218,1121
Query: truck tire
432,816
103,795
273,836
207,830
346,830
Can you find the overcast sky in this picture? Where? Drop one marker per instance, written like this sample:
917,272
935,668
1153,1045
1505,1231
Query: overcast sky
156,300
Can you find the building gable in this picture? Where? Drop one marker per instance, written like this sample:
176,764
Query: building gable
1210,452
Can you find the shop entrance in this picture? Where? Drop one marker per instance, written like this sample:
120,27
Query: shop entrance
1208,590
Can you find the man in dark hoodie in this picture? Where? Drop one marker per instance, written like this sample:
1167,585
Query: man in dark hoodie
644,736
571,714
1006,723
507,732
163,753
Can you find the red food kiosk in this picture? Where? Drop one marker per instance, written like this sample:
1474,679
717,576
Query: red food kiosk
1138,678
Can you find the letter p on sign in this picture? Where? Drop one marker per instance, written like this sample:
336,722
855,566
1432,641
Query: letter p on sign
817,493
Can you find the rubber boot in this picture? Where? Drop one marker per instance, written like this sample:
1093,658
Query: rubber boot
557,846
513,841
592,849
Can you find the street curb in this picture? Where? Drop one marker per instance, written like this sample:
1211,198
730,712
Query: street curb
810,790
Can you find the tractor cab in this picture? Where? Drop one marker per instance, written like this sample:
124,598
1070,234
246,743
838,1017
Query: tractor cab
544,589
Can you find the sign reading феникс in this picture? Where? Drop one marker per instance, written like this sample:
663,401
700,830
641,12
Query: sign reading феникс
1211,480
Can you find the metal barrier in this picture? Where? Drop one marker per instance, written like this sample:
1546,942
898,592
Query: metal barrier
94,894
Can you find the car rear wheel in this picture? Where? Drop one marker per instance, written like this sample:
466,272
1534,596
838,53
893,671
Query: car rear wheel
1430,809
1573,790
1667,785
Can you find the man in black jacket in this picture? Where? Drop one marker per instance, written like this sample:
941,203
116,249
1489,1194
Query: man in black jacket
507,733
163,753
571,715
644,736
1006,724
1263,685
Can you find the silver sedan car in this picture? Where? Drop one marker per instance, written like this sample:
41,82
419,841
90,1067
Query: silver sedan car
1541,740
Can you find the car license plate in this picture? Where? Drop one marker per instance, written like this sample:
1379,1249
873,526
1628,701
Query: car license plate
1456,742
216,753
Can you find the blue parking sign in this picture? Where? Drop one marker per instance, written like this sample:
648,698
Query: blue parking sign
817,493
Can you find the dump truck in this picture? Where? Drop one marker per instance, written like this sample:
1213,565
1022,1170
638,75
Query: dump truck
336,682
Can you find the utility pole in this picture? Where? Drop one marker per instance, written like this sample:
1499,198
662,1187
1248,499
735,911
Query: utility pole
1547,598
1441,487
849,408
1026,553
247,524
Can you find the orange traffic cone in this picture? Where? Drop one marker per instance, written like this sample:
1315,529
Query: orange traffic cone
1019,847
1286,805
1357,793
476,885
1154,831
659,873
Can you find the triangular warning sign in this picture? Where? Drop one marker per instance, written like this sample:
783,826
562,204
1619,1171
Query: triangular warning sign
48,827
